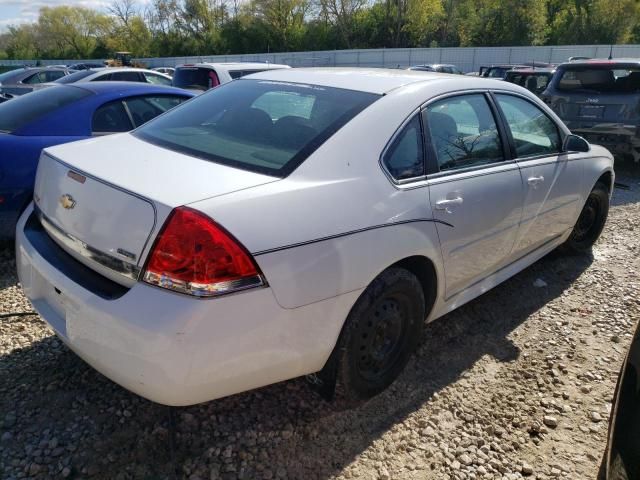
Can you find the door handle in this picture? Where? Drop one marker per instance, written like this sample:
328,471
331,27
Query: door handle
449,204
535,181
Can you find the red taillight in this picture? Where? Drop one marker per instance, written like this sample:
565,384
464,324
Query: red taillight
195,255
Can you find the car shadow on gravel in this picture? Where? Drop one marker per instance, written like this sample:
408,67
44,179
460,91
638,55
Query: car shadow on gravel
60,416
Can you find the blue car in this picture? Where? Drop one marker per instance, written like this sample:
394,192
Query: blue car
61,114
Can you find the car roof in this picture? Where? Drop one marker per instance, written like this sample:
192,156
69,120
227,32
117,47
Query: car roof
602,61
235,65
373,80
533,70
127,88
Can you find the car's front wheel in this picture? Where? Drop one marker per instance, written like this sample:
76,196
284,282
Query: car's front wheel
590,222
380,334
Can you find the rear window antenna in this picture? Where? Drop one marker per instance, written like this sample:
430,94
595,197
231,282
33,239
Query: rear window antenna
611,52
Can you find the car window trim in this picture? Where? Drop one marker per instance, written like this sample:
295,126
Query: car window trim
391,142
512,144
432,160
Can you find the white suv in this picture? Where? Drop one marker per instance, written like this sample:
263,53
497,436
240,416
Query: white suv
203,76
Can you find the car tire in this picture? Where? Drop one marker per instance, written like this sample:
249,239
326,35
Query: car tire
591,221
381,332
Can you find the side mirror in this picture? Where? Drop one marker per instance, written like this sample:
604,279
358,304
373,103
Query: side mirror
574,143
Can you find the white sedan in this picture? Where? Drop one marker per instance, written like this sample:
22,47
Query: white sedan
299,221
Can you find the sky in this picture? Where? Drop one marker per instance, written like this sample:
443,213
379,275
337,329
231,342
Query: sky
14,12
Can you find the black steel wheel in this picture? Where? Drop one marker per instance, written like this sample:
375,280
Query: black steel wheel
591,221
381,332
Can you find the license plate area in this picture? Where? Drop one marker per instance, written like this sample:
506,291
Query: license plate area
592,111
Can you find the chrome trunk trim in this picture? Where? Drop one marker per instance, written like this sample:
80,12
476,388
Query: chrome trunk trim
128,271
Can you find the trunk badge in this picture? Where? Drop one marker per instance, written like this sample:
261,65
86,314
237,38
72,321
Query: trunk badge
67,201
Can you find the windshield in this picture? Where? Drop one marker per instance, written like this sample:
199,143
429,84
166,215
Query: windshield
74,77
257,125
7,75
20,111
610,78
195,78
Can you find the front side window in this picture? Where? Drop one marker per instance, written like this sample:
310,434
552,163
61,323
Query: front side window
463,132
533,132
258,125
34,79
405,157
111,118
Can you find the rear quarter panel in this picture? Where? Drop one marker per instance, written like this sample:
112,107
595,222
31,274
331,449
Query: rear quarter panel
305,231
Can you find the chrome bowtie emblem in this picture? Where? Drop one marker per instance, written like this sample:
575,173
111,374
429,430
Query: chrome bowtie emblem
67,201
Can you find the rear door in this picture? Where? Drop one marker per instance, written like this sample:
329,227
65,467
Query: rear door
551,180
476,193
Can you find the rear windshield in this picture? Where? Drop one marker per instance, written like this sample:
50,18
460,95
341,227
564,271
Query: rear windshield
74,77
257,125
20,111
6,75
600,79
194,78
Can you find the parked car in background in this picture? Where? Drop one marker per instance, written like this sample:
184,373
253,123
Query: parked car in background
117,74
500,71
203,76
25,80
300,221
534,80
600,100
573,59
86,66
166,70
437,67
65,113
622,457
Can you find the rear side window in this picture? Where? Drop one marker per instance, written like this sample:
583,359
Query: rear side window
533,132
600,79
463,132
24,109
257,125
143,109
405,157
111,118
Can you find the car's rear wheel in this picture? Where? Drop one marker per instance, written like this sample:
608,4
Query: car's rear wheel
380,334
590,222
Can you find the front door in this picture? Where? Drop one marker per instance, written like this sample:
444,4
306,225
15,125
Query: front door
477,193
551,199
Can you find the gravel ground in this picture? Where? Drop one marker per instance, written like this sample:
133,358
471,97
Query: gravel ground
517,383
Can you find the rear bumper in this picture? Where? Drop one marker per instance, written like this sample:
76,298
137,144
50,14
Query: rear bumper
615,137
170,348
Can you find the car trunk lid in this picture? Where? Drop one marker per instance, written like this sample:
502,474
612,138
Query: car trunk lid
104,205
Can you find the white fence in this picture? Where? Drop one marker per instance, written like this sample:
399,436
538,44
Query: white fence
468,59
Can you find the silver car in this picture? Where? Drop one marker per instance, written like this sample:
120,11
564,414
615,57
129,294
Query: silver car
25,80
